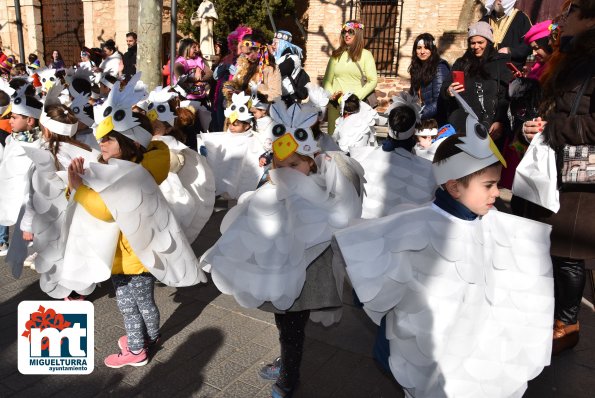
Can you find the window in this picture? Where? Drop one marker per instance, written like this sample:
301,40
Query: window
382,31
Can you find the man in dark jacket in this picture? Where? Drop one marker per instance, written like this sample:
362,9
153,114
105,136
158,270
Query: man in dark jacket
129,58
510,26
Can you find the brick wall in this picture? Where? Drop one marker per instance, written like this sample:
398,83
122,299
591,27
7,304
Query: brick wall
440,18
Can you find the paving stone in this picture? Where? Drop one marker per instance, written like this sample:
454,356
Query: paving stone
249,354
223,373
202,390
238,390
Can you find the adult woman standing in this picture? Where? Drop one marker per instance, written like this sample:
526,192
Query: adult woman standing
348,67
57,61
428,71
568,109
190,62
486,84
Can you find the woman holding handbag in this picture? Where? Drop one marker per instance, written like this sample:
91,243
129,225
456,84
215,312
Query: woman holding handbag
570,131
351,68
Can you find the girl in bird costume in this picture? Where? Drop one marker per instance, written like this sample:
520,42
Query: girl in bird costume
275,253
138,238
44,214
190,185
234,155
464,293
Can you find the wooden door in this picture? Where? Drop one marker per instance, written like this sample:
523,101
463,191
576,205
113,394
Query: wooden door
62,26
540,10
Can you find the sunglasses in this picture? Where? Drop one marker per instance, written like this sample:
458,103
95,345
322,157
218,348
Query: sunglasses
350,32
571,8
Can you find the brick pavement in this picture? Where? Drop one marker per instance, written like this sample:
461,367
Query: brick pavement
212,348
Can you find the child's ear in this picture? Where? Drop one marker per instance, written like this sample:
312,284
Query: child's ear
452,187
31,121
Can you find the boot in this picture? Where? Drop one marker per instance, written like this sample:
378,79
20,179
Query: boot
565,336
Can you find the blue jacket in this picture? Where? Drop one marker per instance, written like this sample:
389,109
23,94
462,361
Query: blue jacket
430,93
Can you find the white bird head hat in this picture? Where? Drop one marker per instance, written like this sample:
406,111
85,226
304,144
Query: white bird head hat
239,108
115,114
292,130
478,150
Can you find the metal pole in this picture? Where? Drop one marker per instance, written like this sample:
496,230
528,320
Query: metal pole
270,15
19,23
172,39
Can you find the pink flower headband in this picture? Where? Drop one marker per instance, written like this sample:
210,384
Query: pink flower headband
353,25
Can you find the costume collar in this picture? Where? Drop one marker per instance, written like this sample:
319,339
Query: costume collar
451,206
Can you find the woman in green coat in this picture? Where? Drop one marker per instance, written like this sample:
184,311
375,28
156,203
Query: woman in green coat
345,69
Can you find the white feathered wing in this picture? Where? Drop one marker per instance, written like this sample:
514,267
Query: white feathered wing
393,178
274,233
191,191
468,304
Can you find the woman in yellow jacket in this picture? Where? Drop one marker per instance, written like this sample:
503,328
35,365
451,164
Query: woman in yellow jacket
133,283
346,67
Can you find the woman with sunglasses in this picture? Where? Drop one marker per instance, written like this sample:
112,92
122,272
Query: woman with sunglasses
350,65
428,71
573,235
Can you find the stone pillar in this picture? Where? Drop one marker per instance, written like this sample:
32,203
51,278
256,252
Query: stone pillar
125,20
149,42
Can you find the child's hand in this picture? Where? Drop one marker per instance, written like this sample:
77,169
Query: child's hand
75,170
262,162
28,236
336,96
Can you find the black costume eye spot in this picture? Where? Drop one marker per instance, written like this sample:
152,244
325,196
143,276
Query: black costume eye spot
119,115
278,130
301,135
52,78
242,109
233,108
76,109
481,131
18,101
107,111
160,108
43,80
151,105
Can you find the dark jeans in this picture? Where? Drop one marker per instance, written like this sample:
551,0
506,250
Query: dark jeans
569,283
3,234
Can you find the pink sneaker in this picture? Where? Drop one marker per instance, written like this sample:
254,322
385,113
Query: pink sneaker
127,357
123,342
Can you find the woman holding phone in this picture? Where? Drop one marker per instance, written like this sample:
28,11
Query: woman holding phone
481,77
428,71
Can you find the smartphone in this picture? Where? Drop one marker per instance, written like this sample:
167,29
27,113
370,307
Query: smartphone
458,76
513,69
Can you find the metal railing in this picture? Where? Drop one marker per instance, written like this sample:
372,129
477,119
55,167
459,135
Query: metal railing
382,21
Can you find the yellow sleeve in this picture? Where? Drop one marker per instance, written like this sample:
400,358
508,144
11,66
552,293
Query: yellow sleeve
93,203
156,161
368,66
329,75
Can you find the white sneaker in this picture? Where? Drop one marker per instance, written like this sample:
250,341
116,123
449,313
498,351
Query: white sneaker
3,249
30,261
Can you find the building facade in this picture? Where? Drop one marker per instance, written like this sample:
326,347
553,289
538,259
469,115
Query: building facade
391,27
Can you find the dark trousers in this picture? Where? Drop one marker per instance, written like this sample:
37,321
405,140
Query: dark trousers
569,283
292,328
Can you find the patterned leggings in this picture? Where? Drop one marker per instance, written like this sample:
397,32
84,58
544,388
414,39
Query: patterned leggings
134,294
292,328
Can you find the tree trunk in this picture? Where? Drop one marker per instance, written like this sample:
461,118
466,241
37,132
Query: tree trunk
149,42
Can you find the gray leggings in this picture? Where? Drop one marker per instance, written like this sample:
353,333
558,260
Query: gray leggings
134,294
